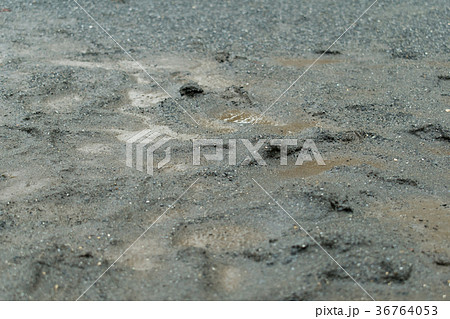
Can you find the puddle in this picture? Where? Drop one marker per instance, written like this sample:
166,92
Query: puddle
216,125
245,117
85,64
218,237
148,254
95,148
203,71
271,126
230,278
19,184
62,104
143,99
304,62
291,128
425,218
123,135
312,168
441,151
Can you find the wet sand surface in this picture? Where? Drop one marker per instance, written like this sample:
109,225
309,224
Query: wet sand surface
376,106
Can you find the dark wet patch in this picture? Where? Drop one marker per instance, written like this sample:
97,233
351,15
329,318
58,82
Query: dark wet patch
394,179
395,271
442,260
191,89
258,255
223,56
444,77
346,136
431,132
328,52
299,296
236,95
340,204
299,248
401,54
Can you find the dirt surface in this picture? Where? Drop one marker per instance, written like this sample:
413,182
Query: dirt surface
376,105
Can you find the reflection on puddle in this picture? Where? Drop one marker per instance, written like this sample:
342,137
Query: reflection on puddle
247,117
244,117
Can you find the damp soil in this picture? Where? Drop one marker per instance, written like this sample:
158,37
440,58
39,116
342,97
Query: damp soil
376,106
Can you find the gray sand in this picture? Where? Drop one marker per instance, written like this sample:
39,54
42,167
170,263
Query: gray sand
376,105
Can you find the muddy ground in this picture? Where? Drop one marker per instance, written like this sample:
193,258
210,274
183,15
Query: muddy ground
376,105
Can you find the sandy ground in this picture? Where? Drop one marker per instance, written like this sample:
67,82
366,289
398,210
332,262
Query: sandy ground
376,105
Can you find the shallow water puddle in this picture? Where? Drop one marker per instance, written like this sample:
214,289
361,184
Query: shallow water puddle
19,184
229,277
216,125
123,135
61,103
305,170
248,117
428,217
218,237
304,62
290,128
245,117
143,99
147,254
312,168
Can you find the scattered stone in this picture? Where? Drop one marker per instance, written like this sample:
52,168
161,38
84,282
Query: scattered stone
257,255
404,54
431,132
396,271
301,296
442,260
223,56
237,95
340,205
296,249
